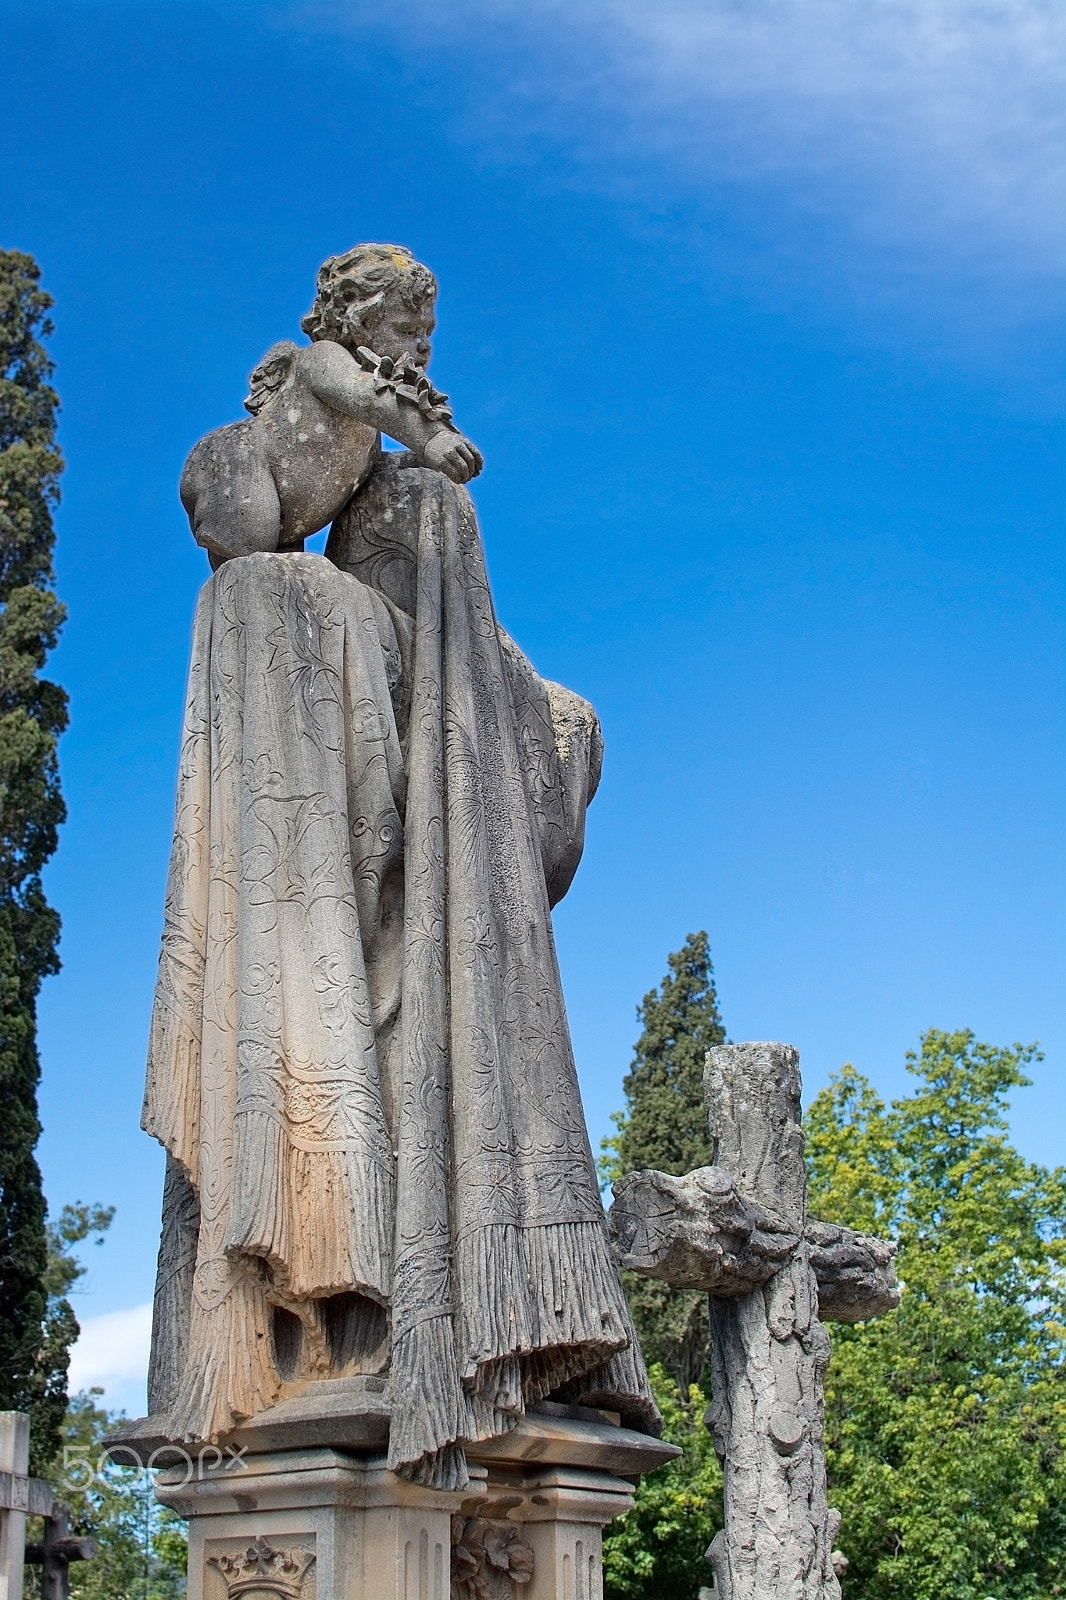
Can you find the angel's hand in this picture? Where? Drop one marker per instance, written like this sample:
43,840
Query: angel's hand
449,452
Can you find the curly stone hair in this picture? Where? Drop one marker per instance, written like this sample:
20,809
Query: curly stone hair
352,289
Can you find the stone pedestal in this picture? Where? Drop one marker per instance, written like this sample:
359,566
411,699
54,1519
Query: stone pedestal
323,1523
562,1517
311,1525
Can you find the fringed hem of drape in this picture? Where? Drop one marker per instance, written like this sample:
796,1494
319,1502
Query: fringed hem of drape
620,1384
427,1406
550,1309
536,1287
321,1219
229,1369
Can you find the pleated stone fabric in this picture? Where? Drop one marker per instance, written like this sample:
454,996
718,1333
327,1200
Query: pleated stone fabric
360,1064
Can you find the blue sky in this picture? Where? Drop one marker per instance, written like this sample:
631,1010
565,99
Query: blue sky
756,313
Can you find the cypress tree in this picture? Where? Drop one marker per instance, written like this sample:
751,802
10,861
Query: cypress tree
664,1126
33,713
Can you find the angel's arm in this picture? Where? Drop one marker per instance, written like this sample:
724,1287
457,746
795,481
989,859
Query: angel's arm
397,401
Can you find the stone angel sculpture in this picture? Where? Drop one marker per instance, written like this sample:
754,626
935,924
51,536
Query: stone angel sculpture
359,1062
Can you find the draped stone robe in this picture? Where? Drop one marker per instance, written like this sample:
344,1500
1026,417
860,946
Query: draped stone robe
359,1063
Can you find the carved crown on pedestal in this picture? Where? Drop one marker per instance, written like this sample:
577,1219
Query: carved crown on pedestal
264,1569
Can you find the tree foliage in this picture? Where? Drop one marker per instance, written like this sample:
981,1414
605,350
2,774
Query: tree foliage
664,1126
946,1421
60,1326
32,716
658,1548
141,1547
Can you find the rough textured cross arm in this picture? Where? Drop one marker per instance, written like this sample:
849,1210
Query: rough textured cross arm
700,1232
696,1232
855,1273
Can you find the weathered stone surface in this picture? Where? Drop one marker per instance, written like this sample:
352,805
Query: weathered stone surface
359,1062
317,412
490,1559
263,1568
769,1350
352,1414
696,1232
20,1497
856,1278
321,1524
740,1230
699,1232
14,1463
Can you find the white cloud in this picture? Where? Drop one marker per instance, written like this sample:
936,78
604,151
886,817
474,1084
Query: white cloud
953,110
877,140
112,1353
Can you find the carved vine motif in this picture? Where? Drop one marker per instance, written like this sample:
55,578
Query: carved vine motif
407,381
263,1568
489,1559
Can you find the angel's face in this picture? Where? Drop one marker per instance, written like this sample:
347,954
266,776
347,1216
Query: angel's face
404,331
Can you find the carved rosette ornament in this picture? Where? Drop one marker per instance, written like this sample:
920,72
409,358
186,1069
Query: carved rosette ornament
490,1560
263,1568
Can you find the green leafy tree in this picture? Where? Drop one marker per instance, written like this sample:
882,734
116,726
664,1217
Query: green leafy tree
658,1548
60,1326
32,716
141,1547
664,1126
946,1420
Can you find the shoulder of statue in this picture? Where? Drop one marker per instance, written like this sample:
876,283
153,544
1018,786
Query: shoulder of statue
325,357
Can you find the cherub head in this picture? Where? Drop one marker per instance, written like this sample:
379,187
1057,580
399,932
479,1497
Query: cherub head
376,295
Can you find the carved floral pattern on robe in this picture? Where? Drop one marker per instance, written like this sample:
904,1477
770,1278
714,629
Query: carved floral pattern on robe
360,1065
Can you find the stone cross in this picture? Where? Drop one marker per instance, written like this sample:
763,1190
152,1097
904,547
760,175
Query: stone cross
14,1500
20,1497
56,1551
739,1229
